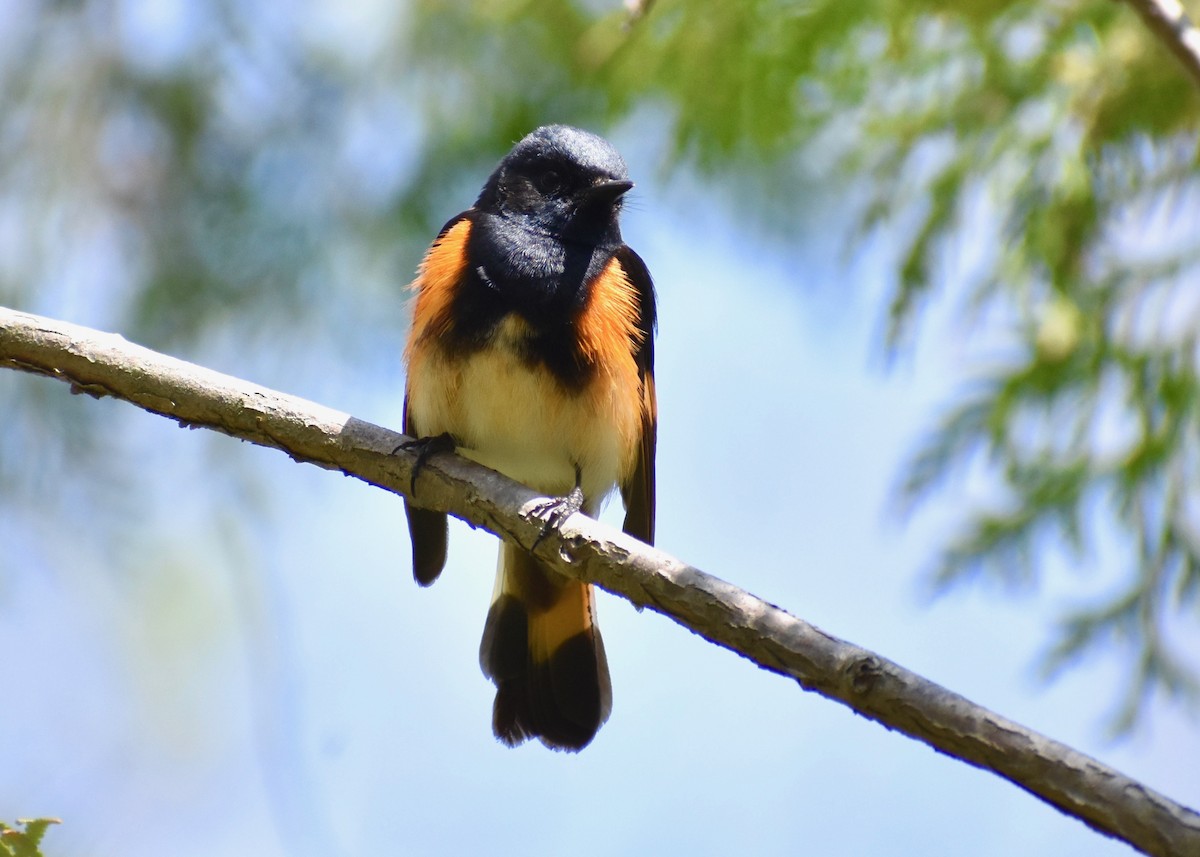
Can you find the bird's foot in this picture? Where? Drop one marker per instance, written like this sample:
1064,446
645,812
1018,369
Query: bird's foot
552,512
424,447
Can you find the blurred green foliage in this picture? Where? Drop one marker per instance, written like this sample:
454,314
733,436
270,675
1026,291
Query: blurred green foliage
26,842
242,171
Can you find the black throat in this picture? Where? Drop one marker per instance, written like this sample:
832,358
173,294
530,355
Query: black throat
518,268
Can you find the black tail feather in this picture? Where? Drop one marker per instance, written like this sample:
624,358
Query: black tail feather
551,683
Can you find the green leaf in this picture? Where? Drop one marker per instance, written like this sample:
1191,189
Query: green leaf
27,842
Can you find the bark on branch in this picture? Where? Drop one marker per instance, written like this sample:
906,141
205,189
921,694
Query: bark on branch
102,364
1169,22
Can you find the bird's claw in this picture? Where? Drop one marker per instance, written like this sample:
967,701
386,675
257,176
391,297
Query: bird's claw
424,447
554,511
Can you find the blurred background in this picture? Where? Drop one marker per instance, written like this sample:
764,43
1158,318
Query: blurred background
927,377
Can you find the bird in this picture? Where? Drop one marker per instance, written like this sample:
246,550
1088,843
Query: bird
532,352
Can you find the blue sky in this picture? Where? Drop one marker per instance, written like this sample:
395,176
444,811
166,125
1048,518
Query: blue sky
286,689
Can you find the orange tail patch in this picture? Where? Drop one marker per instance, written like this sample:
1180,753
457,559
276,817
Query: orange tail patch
543,651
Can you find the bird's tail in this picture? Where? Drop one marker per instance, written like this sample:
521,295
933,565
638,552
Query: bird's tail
542,649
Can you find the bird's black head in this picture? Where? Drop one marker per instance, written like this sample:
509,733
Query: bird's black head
563,182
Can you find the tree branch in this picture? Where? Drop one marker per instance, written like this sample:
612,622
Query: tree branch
1169,22
106,364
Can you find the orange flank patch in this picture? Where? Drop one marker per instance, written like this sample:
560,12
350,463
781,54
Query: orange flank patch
439,274
609,334
608,327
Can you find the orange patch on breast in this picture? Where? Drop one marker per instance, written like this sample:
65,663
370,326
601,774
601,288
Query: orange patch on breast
608,326
437,278
609,334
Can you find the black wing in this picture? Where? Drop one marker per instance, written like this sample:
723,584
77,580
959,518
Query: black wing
637,489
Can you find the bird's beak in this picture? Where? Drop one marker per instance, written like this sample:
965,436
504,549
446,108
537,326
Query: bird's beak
608,191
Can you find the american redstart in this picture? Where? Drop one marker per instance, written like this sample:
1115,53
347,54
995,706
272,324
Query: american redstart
532,353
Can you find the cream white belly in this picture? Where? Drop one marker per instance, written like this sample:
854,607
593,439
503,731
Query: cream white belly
518,420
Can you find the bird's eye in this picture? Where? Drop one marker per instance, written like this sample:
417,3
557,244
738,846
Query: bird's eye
548,181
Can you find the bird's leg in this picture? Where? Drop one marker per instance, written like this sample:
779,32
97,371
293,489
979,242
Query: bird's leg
424,447
554,511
